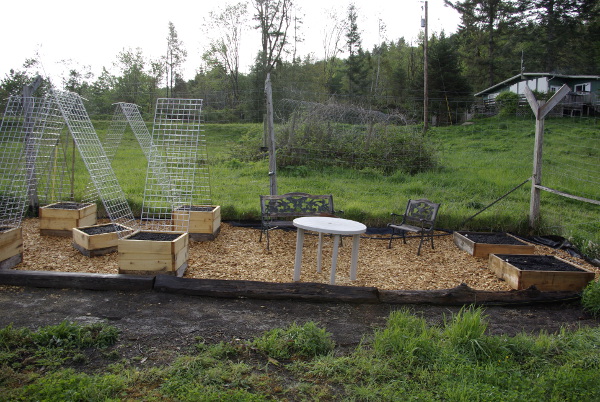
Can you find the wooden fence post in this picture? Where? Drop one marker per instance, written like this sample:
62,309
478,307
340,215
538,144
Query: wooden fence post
540,110
271,137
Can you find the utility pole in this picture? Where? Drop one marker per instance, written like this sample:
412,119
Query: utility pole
425,83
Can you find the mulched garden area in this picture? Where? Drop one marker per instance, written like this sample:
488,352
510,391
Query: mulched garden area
237,254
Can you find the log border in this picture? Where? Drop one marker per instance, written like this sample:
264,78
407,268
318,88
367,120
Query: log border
300,291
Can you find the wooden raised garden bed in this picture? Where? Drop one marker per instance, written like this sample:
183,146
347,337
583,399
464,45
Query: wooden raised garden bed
205,221
546,272
482,244
97,240
60,218
11,247
151,253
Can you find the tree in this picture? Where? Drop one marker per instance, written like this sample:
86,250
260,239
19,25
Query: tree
561,26
332,40
274,18
356,63
77,78
14,82
176,55
446,81
484,23
227,27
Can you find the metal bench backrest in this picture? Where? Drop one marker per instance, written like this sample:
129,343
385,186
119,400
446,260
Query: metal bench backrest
295,205
421,212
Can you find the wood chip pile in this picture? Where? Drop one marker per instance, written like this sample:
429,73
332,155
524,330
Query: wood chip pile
237,254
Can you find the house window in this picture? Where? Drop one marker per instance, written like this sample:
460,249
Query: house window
553,88
583,87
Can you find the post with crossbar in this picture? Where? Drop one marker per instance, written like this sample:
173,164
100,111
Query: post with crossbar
540,110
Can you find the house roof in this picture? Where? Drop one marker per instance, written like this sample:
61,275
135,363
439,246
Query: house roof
523,76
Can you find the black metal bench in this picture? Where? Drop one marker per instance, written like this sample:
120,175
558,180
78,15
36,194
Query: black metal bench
280,210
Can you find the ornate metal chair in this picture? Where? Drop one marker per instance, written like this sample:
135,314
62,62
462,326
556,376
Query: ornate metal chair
420,217
278,211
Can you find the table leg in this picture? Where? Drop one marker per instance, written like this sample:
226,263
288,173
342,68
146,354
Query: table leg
320,252
299,246
336,245
355,240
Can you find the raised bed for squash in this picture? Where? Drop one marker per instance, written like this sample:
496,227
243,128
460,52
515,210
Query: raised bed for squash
545,272
11,247
97,240
482,244
204,221
151,253
60,218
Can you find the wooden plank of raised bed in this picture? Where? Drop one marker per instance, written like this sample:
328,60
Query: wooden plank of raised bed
266,290
9,250
10,236
464,295
74,280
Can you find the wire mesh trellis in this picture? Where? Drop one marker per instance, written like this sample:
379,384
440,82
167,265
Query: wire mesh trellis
70,106
52,179
125,114
19,136
175,155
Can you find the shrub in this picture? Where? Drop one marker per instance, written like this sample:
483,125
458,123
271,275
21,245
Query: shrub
508,103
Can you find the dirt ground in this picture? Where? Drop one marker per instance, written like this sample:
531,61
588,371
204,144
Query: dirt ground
155,326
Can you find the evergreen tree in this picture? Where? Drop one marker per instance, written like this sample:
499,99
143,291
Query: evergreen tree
357,61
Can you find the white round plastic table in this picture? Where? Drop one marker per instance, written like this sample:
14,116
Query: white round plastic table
328,225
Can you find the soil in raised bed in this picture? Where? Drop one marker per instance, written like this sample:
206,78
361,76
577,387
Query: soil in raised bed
154,236
67,205
196,208
538,263
96,230
493,238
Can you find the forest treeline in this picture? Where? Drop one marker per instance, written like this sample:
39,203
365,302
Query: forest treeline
496,39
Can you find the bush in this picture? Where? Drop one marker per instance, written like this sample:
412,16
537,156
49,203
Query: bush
508,103
590,298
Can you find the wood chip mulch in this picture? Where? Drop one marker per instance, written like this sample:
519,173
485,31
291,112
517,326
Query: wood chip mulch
237,254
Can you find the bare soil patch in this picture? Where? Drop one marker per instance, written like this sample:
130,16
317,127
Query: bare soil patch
539,263
237,254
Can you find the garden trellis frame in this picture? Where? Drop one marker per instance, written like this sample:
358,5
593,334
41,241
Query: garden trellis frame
175,155
126,114
70,106
17,157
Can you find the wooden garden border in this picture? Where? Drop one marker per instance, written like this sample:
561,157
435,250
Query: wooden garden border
300,291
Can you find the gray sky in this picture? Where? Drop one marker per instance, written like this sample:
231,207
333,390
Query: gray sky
92,36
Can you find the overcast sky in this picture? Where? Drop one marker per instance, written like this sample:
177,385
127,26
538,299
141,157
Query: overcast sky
90,35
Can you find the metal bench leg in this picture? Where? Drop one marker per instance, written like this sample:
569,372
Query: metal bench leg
268,239
421,243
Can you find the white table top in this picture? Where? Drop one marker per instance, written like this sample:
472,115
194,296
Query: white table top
324,224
